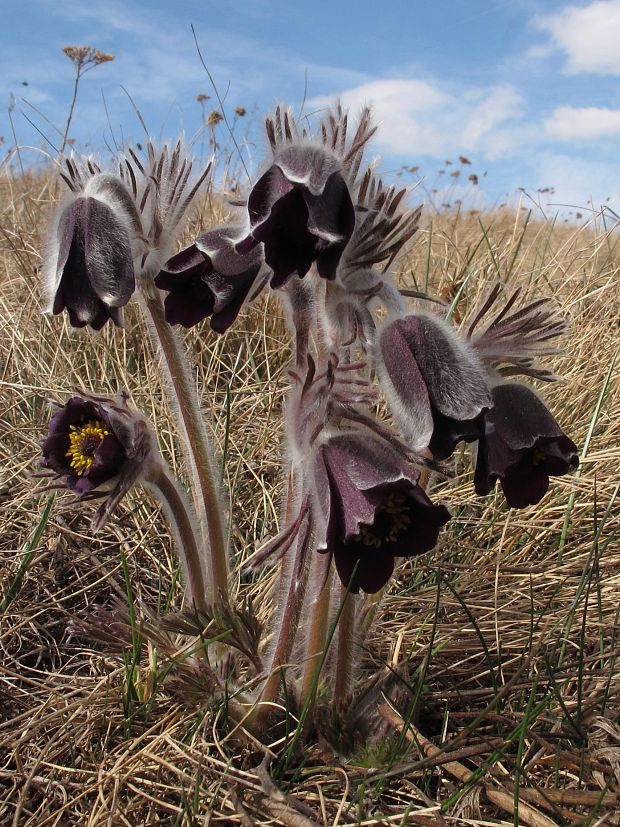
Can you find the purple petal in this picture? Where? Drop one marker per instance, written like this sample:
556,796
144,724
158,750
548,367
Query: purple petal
109,259
522,490
374,568
522,447
188,265
455,379
189,305
448,432
404,387
95,264
267,191
331,216
520,417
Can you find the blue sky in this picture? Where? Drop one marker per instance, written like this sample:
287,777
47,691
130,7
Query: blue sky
527,90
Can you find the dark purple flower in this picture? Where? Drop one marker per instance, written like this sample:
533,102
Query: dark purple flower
301,210
374,509
522,447
90,271
94,443
209,278
434,382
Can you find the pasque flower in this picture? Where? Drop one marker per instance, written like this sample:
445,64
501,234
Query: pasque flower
373,508
522,446
434,382
89,265
101,447
302,212
209,278
301,208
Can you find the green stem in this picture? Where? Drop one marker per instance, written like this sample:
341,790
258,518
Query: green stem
196,442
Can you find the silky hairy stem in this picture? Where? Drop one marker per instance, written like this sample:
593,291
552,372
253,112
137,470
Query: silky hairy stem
197,445
316,639
346,646
286,630
177,509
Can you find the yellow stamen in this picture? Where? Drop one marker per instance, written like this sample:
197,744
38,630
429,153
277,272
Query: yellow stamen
83,442
395,519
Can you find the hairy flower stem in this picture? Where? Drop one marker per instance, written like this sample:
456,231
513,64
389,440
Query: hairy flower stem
346,646
368,613
196,443
174,504
317,628
288,623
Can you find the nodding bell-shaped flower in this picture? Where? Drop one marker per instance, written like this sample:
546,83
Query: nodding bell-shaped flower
302,212
373,509
434,383
522,447
89,263
301,207
101,447
209,278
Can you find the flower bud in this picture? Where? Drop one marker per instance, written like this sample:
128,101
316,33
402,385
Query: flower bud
434,383
89,269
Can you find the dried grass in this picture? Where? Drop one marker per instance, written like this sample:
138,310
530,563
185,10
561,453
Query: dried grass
506,637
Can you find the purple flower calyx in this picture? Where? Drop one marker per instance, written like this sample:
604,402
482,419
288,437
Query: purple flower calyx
89,269
372,508
301,208
210,279
522,447
434,382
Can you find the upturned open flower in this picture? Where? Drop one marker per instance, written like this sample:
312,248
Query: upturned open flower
373,508
209,278
301,207
522,447
89,263
101,447
434,382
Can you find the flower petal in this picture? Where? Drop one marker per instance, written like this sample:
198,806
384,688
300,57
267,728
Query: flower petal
374,569
187,265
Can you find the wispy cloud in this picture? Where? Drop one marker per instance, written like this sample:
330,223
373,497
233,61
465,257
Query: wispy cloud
588,35
570,123
421,118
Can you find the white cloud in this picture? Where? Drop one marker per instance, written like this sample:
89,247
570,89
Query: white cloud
397,106
589,36
568,123
419,118
490,109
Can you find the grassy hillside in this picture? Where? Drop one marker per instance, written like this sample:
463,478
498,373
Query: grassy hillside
506,638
